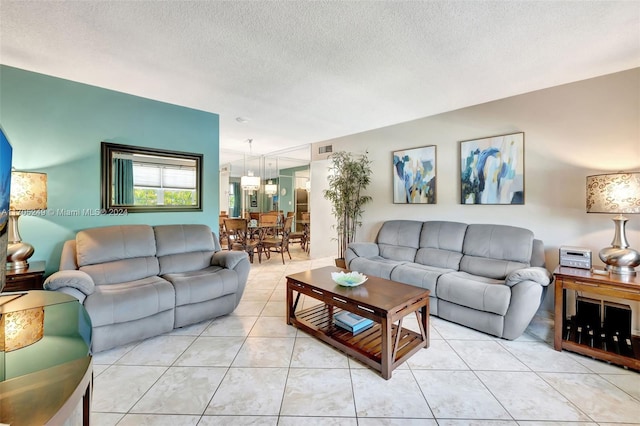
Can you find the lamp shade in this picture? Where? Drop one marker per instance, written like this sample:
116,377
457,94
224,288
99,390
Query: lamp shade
21,328
28,191
250,182
270,188
617,193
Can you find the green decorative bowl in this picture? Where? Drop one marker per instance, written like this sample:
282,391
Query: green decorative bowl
351,279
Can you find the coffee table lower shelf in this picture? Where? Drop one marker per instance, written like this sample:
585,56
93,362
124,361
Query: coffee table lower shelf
365,346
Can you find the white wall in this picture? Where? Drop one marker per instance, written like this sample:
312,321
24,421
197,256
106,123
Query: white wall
571,131
224,191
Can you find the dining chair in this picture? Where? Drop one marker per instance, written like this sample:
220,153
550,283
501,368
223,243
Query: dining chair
307,230
269,221
239,238
278,244
297,236
222,232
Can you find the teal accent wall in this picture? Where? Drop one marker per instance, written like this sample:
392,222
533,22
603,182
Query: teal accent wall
287,180
56,127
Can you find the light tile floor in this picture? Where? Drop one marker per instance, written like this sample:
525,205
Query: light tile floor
251,368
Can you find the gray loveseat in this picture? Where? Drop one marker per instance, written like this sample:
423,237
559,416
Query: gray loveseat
138,281
487,277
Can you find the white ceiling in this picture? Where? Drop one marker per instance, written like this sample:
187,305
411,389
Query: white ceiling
304,72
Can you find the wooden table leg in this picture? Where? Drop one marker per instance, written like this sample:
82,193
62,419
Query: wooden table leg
385,356
290,308
423,322
558,315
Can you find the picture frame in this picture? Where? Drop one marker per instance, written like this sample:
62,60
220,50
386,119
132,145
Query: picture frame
414,175
492,170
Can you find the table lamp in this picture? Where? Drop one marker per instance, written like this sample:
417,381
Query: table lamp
28,193
616,193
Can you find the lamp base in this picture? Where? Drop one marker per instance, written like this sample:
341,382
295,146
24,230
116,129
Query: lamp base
620,260
17,255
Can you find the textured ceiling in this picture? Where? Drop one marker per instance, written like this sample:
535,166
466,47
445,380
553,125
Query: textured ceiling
303,71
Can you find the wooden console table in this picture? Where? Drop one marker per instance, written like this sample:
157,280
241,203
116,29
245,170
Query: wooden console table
618,286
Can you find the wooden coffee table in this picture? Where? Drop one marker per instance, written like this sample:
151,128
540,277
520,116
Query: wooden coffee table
384,346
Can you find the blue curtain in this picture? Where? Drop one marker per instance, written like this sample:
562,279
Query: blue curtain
237,192
122,182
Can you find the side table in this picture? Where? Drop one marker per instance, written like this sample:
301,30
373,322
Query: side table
618,286
47,372
31,278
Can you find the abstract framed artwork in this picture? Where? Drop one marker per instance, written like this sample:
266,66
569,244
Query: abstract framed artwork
414,175
492,170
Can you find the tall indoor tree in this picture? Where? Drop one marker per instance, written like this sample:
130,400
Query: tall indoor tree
349,176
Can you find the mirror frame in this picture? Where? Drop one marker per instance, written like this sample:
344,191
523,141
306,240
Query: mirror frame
106,187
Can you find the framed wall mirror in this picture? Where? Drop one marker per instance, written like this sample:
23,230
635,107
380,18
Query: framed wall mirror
141,179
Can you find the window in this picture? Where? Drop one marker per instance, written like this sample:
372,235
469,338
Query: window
157,184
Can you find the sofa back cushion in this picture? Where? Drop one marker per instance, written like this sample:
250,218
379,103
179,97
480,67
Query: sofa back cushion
115,254
399,239
184,248
494,251
441,244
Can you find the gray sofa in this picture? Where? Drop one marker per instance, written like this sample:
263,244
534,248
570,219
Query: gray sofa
487,277
138,281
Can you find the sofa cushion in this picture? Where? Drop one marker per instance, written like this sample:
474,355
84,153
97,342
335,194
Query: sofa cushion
121,271
116,254
476,292
173,239
206,284
376,266
183,248
129,301
399,239
495,250
441,244
423,276
185,262
111,243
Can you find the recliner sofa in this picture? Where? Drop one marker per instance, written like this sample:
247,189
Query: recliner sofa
138,281
487,277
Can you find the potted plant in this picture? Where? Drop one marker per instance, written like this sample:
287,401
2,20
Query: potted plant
349,176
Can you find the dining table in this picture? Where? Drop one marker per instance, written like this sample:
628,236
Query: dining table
260,231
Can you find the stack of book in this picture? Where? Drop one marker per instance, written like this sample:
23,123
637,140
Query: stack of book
352,322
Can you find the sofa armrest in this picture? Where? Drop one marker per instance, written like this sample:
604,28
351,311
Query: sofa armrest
228,259
536,274
238,261
74,279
